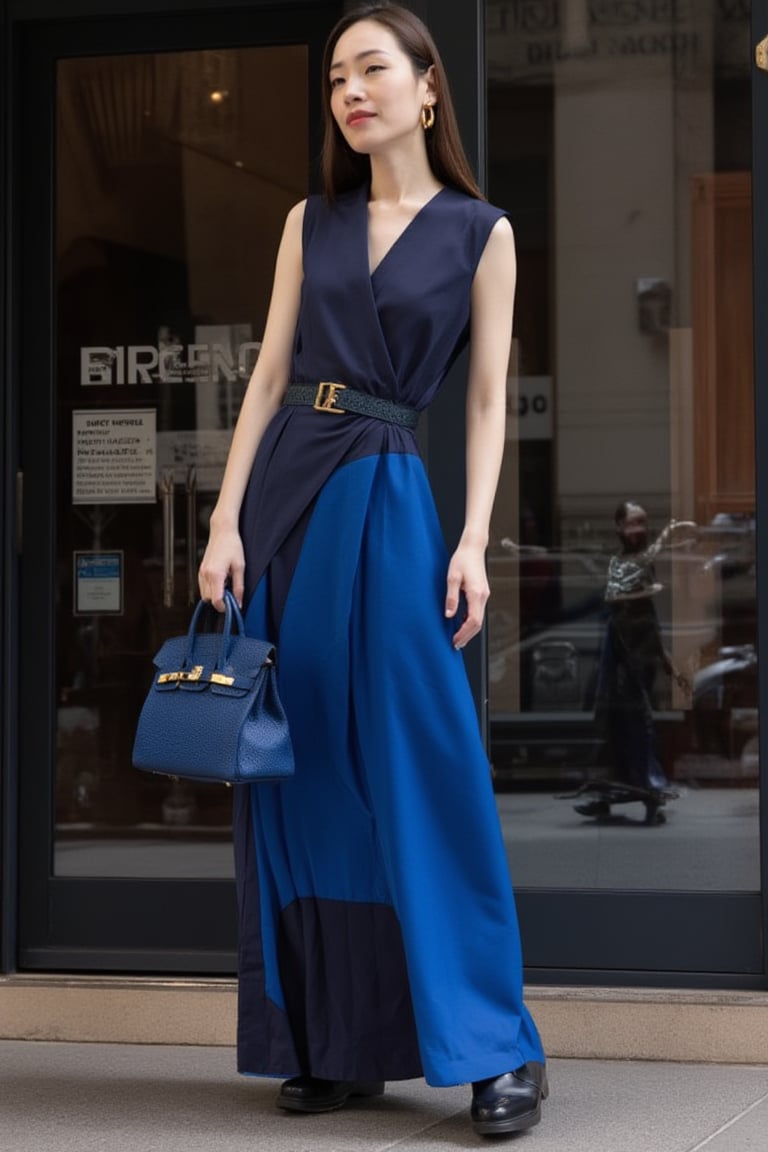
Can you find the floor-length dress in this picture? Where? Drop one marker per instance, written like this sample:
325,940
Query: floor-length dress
378,933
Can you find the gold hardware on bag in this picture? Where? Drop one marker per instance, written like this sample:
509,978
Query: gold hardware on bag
171,677
325,400
217,678
761,54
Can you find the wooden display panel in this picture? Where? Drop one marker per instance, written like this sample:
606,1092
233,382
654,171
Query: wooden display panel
723,346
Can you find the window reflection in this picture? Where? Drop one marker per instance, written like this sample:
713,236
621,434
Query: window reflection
620,142
173,181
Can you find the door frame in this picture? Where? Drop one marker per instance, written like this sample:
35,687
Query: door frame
760,280
8,645
92,923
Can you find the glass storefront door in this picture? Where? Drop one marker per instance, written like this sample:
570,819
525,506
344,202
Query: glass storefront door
624,691
173,178
173,170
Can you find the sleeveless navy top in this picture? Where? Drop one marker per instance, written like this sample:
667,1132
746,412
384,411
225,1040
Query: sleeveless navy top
394,333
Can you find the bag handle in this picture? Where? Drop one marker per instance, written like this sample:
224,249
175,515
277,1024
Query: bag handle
231,613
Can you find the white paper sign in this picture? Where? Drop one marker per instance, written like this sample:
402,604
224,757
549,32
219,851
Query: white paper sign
113,456
98,582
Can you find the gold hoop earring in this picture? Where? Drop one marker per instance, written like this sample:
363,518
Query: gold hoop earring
427,117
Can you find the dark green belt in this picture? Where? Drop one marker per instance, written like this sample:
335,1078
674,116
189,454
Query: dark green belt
334,398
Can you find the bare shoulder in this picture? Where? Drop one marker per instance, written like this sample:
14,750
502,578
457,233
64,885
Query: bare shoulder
498,261
501,238
296,214
292,241
295,219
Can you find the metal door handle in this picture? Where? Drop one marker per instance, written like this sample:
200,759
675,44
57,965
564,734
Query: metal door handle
761,54
166,487
19,512
191,489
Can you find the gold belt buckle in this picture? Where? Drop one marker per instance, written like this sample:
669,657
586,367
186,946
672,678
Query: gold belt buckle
325,399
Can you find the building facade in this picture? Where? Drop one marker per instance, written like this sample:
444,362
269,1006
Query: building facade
150,151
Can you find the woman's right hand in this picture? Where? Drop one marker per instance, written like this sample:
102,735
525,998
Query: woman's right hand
223,558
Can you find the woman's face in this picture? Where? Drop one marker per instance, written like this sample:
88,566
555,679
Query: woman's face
376,95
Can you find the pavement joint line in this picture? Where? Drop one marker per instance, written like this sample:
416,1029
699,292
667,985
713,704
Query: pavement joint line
730,1123
420,1131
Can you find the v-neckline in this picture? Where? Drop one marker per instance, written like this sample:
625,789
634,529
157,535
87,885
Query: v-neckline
373,271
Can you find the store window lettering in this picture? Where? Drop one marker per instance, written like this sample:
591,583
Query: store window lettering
167,364
623,13
664,44
537,404
537,16
531,16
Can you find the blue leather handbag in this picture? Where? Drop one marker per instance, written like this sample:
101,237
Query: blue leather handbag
213,712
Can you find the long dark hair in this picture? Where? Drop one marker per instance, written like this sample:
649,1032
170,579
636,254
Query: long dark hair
342,167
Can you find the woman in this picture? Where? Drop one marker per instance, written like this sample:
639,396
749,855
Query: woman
378,932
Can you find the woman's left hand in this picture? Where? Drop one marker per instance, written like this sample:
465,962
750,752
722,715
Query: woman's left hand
467,574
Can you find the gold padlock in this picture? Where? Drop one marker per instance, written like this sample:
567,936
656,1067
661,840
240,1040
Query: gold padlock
761,54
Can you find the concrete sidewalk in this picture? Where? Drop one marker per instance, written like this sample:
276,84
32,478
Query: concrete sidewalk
142,1098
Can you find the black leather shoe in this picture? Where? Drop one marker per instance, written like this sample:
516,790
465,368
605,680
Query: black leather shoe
509,1103
309,1094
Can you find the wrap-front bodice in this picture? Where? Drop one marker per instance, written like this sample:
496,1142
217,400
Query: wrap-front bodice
394,333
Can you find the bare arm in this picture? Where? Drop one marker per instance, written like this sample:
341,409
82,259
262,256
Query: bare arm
224,554
493,293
